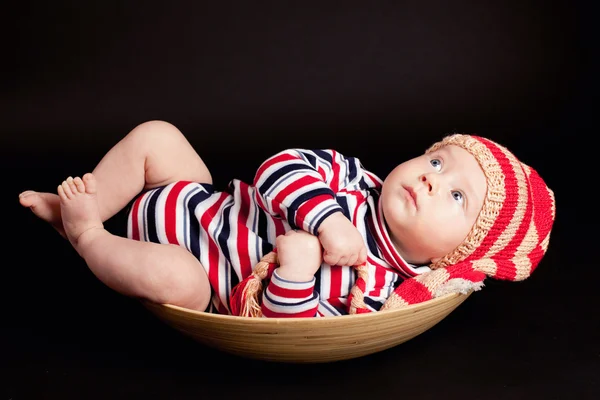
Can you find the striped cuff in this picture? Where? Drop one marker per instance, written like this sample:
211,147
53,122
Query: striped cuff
283,298
313,212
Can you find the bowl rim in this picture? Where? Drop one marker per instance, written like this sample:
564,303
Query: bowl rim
412,308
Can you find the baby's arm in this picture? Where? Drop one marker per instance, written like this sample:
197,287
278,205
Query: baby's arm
302,187
342,242
291,290
299,254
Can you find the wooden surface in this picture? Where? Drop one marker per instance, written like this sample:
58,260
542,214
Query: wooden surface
308,340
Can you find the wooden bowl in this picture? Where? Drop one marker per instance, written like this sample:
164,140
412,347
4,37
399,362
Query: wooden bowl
308,340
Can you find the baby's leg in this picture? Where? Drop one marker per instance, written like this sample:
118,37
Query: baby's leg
154,153
158,272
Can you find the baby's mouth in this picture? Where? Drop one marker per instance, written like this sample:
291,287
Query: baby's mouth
411,195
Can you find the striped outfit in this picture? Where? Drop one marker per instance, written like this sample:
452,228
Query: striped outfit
230,231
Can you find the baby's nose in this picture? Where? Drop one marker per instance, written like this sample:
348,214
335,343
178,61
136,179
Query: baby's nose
430,181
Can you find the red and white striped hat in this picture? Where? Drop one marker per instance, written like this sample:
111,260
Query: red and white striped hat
509,237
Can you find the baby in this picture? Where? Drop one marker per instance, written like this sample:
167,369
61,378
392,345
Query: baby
438,223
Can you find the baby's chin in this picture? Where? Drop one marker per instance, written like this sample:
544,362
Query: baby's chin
418,262
411,257
419,256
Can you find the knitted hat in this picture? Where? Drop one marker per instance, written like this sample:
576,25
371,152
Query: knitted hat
509,238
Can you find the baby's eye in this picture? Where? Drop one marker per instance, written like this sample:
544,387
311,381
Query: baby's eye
436,163
458,196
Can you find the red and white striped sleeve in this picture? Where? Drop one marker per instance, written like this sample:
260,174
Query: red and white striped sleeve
283,298
300,186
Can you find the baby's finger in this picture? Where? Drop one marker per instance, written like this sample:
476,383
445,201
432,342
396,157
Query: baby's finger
362,256
353,260
329,258
280,240
343,261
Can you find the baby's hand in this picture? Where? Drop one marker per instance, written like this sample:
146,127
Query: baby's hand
342,242
300,256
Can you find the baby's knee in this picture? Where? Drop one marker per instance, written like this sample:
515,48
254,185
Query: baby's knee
155,133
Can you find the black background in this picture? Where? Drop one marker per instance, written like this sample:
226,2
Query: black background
380,80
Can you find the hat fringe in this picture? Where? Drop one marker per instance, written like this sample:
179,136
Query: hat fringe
245,296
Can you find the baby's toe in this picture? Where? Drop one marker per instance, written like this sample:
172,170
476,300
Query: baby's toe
79,185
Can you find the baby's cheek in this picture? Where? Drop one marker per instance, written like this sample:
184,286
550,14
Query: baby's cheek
431,242
453,237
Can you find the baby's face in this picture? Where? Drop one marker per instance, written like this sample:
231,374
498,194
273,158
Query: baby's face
431,202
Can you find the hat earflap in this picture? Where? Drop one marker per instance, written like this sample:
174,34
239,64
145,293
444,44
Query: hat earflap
458,278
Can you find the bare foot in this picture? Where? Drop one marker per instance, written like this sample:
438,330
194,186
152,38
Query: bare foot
79,208
44,205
